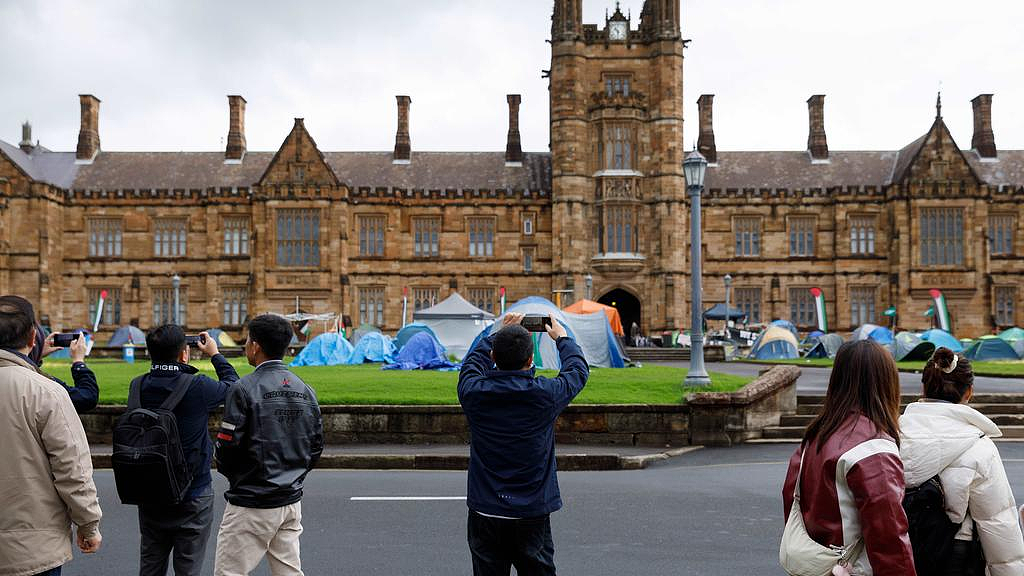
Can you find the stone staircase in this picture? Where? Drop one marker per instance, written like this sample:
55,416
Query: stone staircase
1006,410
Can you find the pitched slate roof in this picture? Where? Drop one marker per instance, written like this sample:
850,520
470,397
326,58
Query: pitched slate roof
42,165
169,170
442,170
794,170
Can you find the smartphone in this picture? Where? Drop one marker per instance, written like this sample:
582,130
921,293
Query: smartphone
65,340
195,340
536,322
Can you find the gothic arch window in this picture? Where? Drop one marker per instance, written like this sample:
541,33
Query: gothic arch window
617,146
619,228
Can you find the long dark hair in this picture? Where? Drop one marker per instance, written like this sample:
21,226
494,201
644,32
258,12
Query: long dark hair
945,381
864,379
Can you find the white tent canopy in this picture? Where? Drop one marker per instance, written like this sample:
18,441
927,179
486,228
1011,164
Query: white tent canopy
455,321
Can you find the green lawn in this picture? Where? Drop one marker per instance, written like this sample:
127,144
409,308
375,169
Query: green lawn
368,384
980,368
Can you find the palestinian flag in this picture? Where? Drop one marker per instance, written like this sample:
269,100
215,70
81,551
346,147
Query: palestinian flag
99,311
941,312
502,299
819,308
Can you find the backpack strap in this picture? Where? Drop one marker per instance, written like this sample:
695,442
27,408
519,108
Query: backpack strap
182,383
135,393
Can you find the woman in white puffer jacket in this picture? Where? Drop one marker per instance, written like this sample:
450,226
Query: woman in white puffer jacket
941,435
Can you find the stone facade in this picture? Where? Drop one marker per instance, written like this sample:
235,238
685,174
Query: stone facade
603,214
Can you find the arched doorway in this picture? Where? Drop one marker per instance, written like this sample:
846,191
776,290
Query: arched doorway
628,307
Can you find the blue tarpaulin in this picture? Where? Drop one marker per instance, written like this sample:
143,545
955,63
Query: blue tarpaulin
421,352
942,339
328,349
373,347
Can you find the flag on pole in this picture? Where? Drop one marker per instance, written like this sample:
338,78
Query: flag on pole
502,291
941,312
930,311
819,307
405,304
99,310
890,311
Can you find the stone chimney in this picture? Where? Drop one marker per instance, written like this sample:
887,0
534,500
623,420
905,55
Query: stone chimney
706,139
513,148
983,142
26,137
403,148
817,145
236,131
89,133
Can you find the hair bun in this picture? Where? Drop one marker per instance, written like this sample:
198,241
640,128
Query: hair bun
943,357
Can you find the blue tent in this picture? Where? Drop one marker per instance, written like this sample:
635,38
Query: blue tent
942,339
411,330
126,334
421,352
992,348
879,334
775,343
373,347
787,325
327,349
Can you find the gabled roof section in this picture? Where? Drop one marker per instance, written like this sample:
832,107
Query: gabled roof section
918,160
42,165
299,161
167,171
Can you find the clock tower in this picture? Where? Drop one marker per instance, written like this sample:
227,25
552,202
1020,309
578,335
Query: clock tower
619,203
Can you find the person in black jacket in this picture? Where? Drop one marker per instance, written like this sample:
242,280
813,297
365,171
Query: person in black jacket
183,529
271,437
512,483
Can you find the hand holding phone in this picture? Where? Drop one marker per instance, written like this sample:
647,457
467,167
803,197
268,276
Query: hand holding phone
536,322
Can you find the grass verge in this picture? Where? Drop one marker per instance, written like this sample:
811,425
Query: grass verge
997,369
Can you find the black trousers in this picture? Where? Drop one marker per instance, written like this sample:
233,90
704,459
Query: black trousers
182,530
498,544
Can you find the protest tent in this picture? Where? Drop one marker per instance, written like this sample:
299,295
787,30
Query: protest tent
421,352
127,335
1011,334
327,349
222,338
409,331
787,325
454,321
942,339
718,312
907,346
363,330
589,307
775,343
373,347
825,346
991,348
874,332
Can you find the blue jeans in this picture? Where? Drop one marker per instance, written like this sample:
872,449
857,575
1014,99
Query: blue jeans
51,572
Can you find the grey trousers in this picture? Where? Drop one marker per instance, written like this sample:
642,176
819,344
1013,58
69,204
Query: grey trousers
182,530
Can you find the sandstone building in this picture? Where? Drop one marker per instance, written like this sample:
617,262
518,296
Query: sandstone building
603,213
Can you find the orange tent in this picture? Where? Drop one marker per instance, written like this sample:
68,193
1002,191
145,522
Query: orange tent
589,307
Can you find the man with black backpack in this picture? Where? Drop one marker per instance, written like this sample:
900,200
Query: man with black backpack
176,500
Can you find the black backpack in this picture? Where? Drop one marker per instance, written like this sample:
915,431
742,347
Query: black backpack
148,461
932,534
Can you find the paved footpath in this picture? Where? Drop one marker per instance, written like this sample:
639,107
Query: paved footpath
712,512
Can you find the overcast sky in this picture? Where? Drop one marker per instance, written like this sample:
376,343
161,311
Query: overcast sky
163,69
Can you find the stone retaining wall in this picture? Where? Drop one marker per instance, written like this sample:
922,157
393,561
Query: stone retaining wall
727,418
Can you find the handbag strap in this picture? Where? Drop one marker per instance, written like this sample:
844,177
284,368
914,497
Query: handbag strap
799,474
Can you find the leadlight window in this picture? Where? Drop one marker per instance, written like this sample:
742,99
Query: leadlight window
1006,297
528,257
111,306
801,307
236,235
942,236
1001,228
748,235
298,237
104,237
424,298
426,232
371,235
483,298
169,237
371,305
801,236
528,224
862,305
749,300
163,306
481,237
617,147
616,84
862,235
619,229
236,305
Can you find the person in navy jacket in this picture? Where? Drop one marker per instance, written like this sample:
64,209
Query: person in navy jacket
512,483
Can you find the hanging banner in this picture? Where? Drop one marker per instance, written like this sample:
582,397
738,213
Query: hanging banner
819,308
502,291
941,312
99,311
405,304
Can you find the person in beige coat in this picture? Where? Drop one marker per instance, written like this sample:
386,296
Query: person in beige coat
941,435
46,476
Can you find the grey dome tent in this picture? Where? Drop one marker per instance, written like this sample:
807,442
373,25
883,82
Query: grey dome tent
907,346
126,334
455,322
826,346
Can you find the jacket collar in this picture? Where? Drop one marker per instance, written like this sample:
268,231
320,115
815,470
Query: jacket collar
947,420
271,365
10,357
172,368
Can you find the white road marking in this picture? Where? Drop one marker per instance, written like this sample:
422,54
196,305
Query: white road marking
403,498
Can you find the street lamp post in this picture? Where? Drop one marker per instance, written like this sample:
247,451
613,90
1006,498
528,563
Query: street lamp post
694,167
176,282
588,280
728,314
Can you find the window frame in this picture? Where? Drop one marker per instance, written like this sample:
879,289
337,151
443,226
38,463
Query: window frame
863,231
935,248
754,235
371,229
294,242
433,237
164,295
1002,233
1004,309
802,307
236,234
170,237
429,295
529,259
234,294
802,241
481,238
363,301
113,237
485,294
749,299
863,302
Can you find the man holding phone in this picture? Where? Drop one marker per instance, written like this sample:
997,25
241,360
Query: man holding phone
512,482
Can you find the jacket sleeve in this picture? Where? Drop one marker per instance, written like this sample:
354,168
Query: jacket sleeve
317,441
994,511
215,391
476,364
234,430
86,393
574,373
67,449
789,486
877,485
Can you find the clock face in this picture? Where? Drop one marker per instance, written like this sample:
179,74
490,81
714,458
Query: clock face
617,31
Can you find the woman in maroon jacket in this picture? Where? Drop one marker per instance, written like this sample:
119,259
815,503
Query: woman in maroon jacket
852,481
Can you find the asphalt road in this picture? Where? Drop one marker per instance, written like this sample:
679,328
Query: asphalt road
713,512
